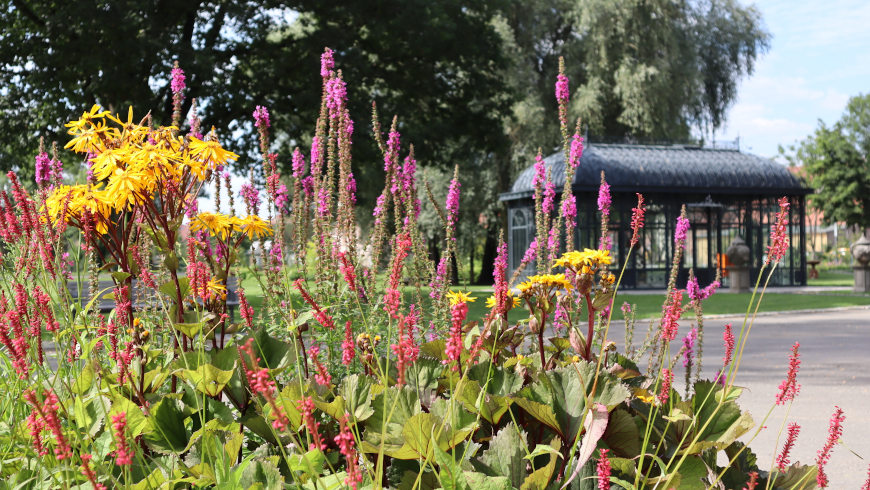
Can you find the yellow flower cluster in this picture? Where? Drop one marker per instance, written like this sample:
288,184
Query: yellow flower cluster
133,164
546,282
220,225
457,297
584,262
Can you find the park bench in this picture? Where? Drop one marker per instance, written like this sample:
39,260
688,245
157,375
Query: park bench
141,297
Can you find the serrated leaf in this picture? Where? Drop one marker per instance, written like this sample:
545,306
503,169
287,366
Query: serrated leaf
87,417
84,380
479,481
189,330
264,473
356,391
392,408
506,452
677,415
622,435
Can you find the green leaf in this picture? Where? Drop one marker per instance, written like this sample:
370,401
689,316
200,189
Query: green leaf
677,415
273,353
506,453
169,434
168,288
539,479
692,471
450,472
561,393
310,463
120,276
479,481
87,417
434,349
622,435
542,449
189,330
84,381
137,423
595,423
264,473
393,407
357,394
154,480
795,475
207,378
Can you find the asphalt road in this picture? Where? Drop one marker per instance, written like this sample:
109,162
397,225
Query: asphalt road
834,370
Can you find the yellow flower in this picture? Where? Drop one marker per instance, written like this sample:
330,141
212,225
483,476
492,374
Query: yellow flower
87,119
551,280
105,164
490,302
457,297
217,224
126,187
585,260
217,287
253,226
607,280
210,151
644,395
525,287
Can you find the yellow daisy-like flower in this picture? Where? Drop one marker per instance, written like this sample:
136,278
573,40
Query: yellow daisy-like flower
490,302
216,286
551,280
526,286
584,261
126,187
210,151
457,297
105,164
217,224
87,119
644,395
253,226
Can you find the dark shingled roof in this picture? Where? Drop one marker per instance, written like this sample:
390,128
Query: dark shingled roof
677,168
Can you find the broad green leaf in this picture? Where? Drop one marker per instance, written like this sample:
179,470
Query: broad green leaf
207,378
310,463
190,330
137,423
392,408
622,435
461,422
434,349
420,433
542,449
264,473
479,481
677,415
450,471
796,475
540,478
169,434
490,407
87,415
541,411
84,380
168,287
356,391
273,353
506,453
691,473
154,480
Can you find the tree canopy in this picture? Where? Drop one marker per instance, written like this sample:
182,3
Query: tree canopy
836,160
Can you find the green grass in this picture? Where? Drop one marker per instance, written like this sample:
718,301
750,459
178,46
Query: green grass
833,278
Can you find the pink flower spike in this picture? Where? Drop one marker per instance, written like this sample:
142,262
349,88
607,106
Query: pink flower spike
728,340
667,380
177,83
681,230
327,63
783,459
124,453
637,219
835,431
261,117
789,388
603,470
779,239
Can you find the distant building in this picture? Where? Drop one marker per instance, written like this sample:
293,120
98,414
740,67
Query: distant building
727,193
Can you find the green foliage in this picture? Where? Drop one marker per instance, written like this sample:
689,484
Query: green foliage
836,161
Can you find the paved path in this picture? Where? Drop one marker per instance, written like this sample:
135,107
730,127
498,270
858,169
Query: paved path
835,370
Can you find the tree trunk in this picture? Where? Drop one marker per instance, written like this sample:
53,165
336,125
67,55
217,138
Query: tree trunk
490,249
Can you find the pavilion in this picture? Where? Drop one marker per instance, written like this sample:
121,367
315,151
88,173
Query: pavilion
727,194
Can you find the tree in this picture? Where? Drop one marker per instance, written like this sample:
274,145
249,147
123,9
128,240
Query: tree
836,159
640,71
424,61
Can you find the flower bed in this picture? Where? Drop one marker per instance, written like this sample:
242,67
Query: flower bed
339,378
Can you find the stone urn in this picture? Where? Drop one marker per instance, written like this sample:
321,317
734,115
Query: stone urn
861,251
861,269
738,252
738,270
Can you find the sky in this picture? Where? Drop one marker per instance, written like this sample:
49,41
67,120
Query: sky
818,58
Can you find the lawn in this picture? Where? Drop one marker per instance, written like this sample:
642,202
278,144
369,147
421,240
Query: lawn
833,278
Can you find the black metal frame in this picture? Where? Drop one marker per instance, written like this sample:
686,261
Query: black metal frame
722,217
